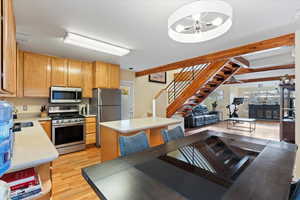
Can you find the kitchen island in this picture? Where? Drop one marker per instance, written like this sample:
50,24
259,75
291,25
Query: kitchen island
110,132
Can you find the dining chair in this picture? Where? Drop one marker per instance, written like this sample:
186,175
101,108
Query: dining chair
133,143
295,191
172,134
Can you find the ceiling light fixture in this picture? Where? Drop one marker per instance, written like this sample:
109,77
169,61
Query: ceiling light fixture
85,42
200,21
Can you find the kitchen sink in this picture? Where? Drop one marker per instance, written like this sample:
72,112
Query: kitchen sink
26,124
19,125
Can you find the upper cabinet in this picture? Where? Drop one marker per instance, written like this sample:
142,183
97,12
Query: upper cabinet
114,76
106,75
37,75
100,71
74,73
8,49
59,71
87,79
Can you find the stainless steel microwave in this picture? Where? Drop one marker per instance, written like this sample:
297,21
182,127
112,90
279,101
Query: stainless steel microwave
65,95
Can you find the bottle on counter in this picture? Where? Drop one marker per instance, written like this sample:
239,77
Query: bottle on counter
6,145
6,136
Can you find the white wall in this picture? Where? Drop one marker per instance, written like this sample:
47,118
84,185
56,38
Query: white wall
144,94
297,59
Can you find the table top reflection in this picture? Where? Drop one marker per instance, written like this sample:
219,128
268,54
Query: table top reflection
207,165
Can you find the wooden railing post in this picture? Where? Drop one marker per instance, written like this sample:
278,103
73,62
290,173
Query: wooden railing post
174,88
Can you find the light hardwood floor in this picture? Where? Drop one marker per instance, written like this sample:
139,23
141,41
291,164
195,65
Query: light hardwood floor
68,183
264,129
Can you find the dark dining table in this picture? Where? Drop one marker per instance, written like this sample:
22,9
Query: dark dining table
207,165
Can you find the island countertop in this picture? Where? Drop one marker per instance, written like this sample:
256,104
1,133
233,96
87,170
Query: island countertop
131,125
32,147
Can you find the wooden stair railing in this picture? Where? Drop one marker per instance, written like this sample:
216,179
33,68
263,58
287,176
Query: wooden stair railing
176,87
194,84
201,86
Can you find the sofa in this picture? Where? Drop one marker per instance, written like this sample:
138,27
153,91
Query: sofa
200,116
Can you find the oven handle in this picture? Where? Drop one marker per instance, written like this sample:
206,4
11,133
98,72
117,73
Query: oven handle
66,125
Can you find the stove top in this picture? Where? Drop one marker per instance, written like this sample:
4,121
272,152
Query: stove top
60,117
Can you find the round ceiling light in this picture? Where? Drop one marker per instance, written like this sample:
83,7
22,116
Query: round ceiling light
200,21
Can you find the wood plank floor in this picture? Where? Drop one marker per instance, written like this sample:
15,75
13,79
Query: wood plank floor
68,183
264,129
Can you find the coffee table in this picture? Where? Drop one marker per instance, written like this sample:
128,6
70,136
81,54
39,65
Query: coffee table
231,123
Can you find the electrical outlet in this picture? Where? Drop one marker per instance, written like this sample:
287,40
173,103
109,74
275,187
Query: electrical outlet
25,107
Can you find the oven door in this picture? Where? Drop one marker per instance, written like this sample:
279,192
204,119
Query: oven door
65,95
68,134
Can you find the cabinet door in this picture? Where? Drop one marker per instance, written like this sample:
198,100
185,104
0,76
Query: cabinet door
87,77
47,128
114,76
101,75
74,73
59,71
37,73
20,73
9,51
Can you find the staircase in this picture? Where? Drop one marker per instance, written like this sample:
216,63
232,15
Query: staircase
192,85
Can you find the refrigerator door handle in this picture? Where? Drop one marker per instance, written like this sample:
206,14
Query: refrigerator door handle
100,115
99,97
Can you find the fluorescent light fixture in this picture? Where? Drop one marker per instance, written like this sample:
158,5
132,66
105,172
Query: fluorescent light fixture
85,42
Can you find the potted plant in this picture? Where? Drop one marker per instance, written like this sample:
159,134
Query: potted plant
214,105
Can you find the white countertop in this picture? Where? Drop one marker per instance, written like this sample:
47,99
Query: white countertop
126,126
32,146
89,115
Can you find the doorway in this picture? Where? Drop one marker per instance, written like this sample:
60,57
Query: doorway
127,99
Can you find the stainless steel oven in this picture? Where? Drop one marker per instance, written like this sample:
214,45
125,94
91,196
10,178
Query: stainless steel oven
65,95
68,135
68,128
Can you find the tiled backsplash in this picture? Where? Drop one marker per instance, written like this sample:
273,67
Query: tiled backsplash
30,105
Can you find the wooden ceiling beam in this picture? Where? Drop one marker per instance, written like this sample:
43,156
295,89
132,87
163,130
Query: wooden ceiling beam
263,69
181,76
274,78
285,40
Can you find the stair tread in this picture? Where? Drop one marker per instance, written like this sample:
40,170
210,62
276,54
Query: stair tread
222,73
189,104
213,83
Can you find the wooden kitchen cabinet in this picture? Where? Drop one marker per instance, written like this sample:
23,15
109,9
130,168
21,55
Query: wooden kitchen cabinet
8,49
87,79
20,73
74,73
114,76
59,71
90,130
37,75
47,127
106,75
100,71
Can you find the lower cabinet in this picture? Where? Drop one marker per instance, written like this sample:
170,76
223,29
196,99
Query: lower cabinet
90,130
47,127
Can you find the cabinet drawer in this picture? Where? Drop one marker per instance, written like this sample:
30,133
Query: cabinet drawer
90,119
90,128
90,138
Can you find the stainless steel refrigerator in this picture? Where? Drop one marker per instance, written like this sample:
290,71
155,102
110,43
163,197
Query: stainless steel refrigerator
106,105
